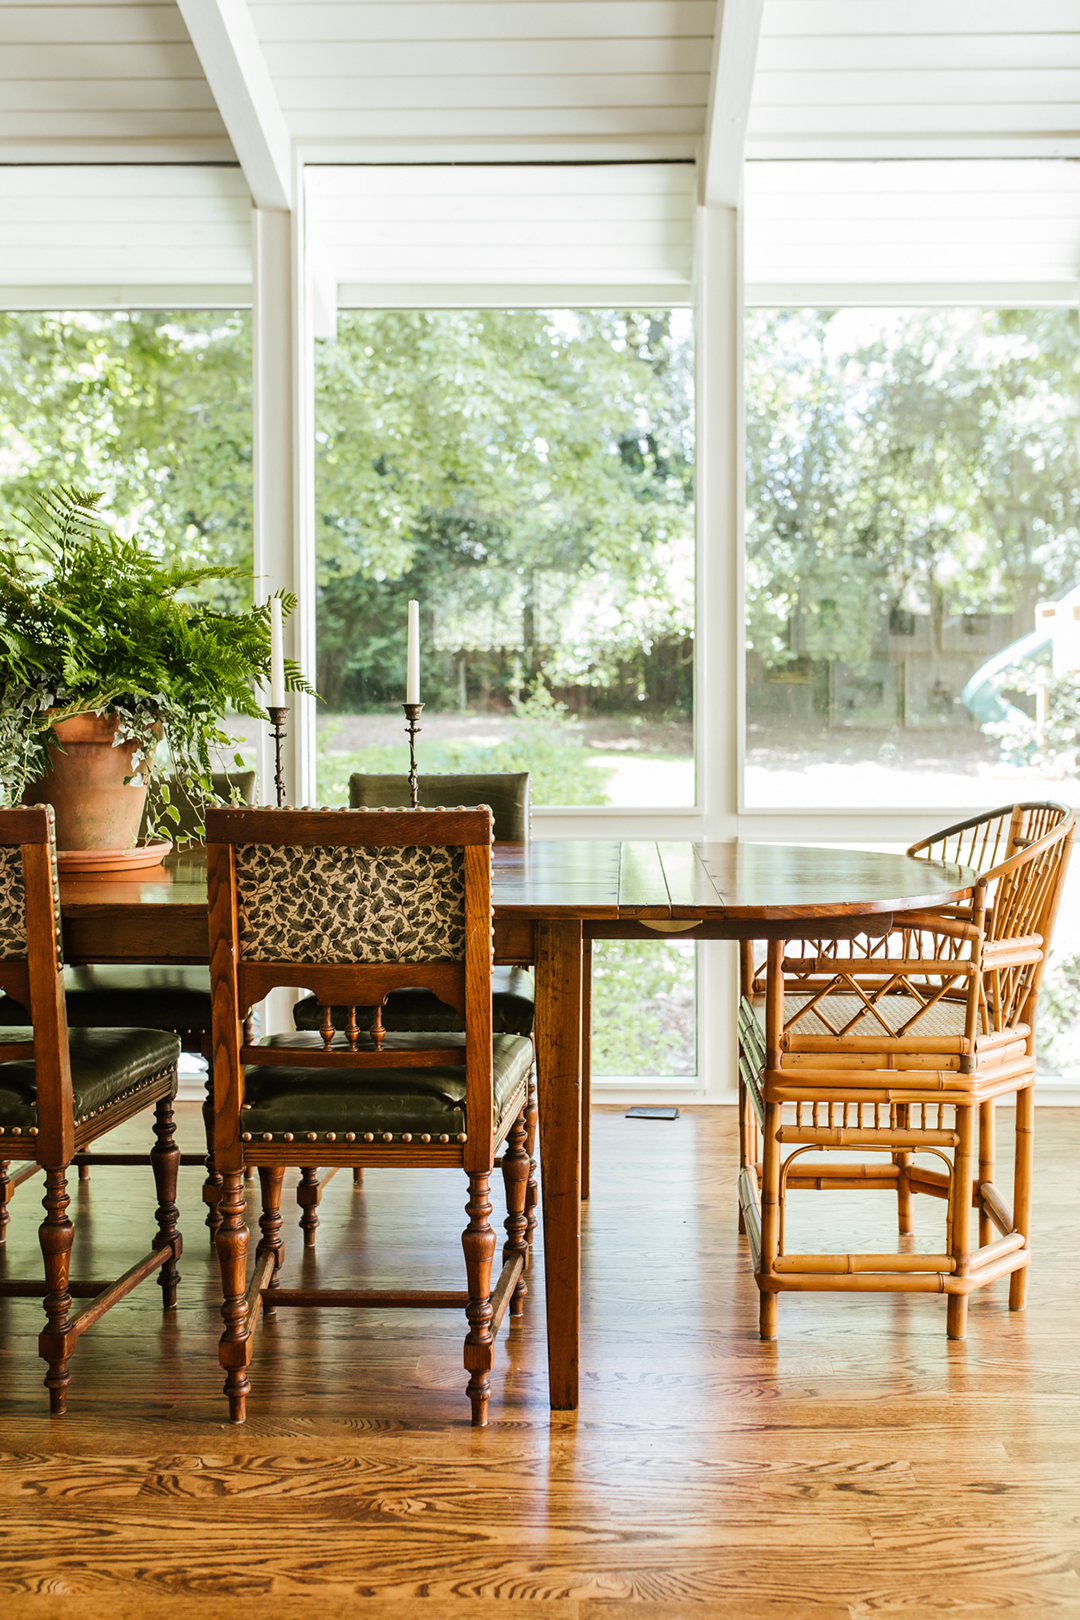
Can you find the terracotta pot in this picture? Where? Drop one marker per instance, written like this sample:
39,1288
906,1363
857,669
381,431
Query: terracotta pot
94,807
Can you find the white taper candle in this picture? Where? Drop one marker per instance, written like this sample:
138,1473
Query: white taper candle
412,678
277,656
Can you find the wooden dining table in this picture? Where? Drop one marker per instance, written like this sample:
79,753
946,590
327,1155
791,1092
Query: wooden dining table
552,898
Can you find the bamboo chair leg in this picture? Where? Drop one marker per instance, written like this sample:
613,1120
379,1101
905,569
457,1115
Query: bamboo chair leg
960,1246
1024,1163
770,1218
56,1235
271,1178
165,1160
586,1067
987,1165
904,1212
308,1194
234,1349
478,1242
515,1171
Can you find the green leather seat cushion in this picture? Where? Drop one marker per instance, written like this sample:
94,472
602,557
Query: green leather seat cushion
513,1004
104,1064
417,1100
147,996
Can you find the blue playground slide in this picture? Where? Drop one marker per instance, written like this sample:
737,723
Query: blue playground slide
980,696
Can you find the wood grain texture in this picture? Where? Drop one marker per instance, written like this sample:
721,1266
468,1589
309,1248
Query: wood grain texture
859,1466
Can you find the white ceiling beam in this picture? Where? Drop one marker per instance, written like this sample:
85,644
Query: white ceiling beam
228,48
735,48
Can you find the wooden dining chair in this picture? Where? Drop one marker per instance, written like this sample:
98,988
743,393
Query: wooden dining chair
59,1092
169,996
513,999
356,905
902,1045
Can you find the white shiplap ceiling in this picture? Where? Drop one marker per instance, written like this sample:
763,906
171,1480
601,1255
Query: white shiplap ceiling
917,79
994,231
399,233
413,75
85,82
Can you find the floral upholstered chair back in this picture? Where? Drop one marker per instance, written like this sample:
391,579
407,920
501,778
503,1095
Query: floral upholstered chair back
32,824
351,903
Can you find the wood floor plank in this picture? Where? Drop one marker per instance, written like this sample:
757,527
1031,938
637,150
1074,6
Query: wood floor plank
861,1465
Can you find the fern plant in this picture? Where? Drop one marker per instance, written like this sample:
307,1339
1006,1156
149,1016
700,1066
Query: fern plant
92,622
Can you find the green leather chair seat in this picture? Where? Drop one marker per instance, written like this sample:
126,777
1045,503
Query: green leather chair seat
105,1063
377,1100
149,997
513,1004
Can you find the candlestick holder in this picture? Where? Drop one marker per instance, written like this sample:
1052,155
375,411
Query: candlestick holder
412,715
277,731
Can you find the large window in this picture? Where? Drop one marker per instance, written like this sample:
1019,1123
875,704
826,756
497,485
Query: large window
913,497
528,476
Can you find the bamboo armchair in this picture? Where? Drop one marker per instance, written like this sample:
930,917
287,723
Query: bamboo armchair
901,1045
58,1093
354,905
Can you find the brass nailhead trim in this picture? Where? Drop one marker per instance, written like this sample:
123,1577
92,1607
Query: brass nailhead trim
246,1136
406,1137
368,1137
268,1136
350,1136
287,1137
388,1136
444,1138
331,1136
426,1137
462,1137
313,1136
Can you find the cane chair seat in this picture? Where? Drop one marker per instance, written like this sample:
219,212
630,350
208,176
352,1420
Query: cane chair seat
407,1102
849,1015
106,1064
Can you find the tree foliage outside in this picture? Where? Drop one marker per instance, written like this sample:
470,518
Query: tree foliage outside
528,475
152,408
904,468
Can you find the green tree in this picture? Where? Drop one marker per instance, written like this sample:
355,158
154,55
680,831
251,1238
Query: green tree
152,408
527,474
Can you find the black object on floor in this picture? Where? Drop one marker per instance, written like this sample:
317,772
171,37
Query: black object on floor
652,1113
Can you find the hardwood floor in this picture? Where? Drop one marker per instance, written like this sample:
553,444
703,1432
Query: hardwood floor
861,1464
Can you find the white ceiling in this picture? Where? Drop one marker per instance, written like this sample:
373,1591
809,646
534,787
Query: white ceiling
863,121
917,79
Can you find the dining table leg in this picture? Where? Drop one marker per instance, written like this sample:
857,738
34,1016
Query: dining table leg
558,1072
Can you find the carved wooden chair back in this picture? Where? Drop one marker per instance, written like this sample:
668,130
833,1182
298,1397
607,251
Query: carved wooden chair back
351,905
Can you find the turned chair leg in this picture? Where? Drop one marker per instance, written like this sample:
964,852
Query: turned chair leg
234,1349
358,1175
165,1161
57,1235
532,1192
5,1195
271,1177
515,1171
1024,1166
308,1193
212,1185
478,1242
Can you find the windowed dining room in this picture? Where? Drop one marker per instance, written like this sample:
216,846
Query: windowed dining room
539,653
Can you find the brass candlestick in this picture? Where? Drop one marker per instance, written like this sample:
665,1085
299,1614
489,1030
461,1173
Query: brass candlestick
412,715
277,731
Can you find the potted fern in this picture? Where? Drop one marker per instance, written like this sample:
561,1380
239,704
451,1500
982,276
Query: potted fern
113,678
